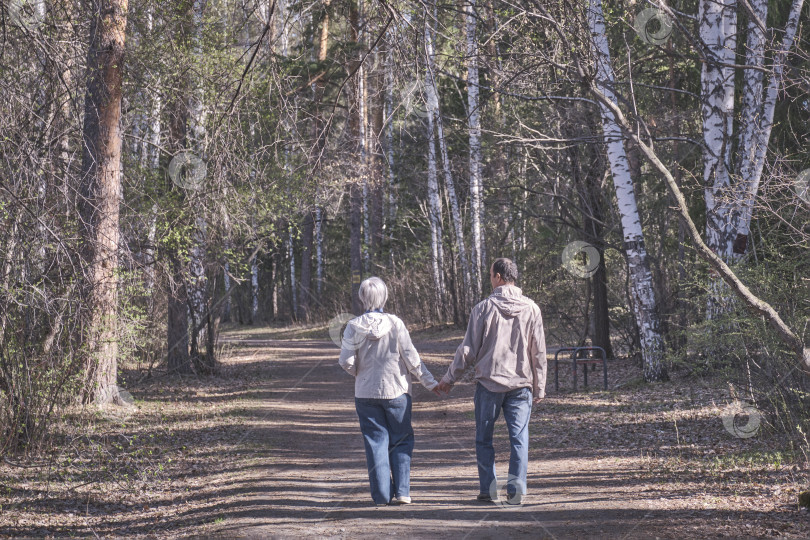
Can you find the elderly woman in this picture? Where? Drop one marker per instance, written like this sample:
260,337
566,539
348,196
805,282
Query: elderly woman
377,350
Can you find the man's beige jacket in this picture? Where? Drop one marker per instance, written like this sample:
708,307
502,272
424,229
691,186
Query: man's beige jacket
506,344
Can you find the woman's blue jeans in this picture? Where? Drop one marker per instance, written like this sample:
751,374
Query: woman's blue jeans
517,409
388,437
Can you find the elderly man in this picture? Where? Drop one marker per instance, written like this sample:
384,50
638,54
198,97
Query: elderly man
506,344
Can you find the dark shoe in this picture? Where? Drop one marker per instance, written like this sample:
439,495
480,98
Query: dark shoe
486,497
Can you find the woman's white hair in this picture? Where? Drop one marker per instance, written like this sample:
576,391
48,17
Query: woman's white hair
373,293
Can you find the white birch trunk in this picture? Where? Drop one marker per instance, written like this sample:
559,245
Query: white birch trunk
254,286
757,149
752,93
291,254
318,250
644,306
435,112
718,29
226,278
364,146
198,281
474,128
389,147
434,207
150,157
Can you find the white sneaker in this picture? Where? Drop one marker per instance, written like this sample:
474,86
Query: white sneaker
401,500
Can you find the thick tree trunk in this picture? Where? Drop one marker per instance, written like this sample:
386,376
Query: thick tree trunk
644,305
99,196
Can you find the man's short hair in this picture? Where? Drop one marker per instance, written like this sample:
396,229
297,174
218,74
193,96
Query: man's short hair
506,268
373,293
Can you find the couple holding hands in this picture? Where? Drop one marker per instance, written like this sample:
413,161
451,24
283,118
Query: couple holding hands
505,344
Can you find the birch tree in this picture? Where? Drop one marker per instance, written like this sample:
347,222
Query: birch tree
643,297
435,213
434,200
718,31
200,326
758,111
434,110
474,130
731,188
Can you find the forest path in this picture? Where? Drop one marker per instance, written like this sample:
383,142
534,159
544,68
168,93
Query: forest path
271,447
307,475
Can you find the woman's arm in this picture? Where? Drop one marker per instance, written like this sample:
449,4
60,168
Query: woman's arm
415,366
348,356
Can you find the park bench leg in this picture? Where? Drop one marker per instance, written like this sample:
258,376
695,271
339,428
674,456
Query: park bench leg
556,376
604,368
574,368
585,376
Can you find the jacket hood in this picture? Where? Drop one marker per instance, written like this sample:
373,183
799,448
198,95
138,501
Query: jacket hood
509,300
371,325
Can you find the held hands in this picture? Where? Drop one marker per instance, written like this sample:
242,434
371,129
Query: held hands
443,388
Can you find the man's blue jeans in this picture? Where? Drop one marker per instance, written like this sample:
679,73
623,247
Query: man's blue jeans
517,409
388,438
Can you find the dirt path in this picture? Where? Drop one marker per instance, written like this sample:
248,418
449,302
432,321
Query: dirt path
314,481
271,447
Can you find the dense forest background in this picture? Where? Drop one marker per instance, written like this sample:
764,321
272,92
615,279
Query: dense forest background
168,168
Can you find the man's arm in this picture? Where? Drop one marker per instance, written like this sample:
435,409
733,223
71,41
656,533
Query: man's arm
537,356
467,352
